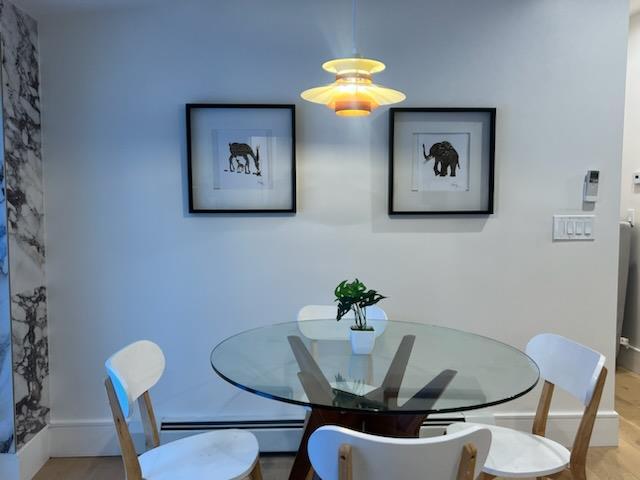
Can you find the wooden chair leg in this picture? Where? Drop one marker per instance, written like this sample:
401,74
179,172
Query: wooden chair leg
129,456
579,473
310,474
486,476
345,471
256,473
467,465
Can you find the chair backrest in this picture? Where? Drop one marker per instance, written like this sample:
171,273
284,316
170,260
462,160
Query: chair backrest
381,458
567,364
131,372
134,370
580,371
376,317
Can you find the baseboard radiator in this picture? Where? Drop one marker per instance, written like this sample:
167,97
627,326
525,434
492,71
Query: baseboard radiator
279,436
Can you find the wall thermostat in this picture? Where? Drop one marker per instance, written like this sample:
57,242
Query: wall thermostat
591,180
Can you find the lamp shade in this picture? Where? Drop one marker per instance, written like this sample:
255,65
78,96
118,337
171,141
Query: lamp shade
353,93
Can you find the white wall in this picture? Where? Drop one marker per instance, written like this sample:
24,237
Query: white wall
126,261
630,193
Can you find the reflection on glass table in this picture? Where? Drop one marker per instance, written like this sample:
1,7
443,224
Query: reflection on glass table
414,370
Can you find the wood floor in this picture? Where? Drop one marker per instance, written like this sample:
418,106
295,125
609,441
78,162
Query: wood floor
622,463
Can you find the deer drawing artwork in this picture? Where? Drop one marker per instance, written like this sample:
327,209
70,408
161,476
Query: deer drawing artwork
244,151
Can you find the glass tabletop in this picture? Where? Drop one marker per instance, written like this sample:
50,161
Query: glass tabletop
414,368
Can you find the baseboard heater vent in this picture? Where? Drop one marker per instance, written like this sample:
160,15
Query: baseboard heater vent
277,436
240,424
169,426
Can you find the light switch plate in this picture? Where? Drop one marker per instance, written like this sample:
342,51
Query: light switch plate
573,227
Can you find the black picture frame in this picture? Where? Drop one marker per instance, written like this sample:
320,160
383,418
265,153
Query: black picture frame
189,108
491,112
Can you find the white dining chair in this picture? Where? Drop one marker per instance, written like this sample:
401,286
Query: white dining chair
576,369
218,455
337,453
376,317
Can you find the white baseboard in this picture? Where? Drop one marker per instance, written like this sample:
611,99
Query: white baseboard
97,438
629,358
29,459
94,438
561,427
34,454
273,440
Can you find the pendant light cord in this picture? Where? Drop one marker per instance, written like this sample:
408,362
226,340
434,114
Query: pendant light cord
353,28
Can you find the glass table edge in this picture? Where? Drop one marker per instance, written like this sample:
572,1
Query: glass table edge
376,412
295,322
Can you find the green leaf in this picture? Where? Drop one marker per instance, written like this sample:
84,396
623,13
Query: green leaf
340,288
353,293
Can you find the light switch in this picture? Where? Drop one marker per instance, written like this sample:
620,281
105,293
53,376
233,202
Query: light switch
573,227
570,229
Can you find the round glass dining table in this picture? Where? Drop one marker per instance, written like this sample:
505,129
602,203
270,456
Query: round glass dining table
414,370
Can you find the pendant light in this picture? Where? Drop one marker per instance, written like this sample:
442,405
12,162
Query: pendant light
353,94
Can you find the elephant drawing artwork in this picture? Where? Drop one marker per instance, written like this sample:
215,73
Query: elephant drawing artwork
445,157
242,153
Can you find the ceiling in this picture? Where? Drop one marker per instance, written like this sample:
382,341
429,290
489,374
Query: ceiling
44,7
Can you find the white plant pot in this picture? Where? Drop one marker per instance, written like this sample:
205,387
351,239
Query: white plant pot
362,341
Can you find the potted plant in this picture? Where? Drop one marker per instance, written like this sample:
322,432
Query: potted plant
354,297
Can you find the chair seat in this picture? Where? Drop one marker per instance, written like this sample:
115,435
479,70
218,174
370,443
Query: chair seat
220,455
518,454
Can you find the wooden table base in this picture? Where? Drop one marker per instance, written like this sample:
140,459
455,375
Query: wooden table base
383,398
400,425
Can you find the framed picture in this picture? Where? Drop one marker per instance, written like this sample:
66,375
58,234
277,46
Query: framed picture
241,158
441,161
